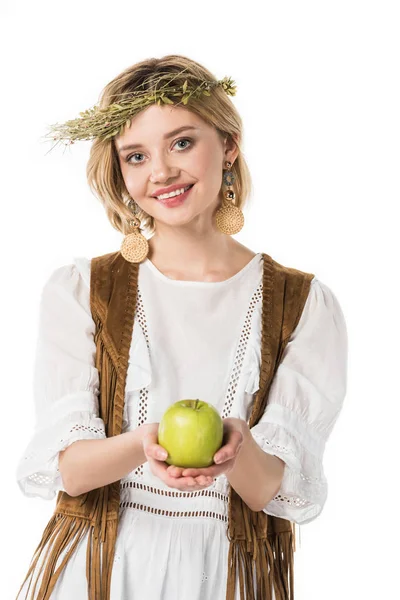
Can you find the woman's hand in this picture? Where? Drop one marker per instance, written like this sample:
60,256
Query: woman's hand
158,466
225,457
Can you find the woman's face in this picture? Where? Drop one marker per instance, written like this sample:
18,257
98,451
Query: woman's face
162,157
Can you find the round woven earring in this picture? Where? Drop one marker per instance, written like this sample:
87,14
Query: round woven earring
135,246
229,218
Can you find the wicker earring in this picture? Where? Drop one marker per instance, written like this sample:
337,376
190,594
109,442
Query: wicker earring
135,246
229,218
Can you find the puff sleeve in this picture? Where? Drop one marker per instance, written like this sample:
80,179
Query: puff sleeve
65,382
305,400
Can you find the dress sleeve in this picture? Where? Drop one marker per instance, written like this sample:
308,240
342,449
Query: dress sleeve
65,382
305,400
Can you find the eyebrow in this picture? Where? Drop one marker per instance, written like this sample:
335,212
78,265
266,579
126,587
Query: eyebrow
165,137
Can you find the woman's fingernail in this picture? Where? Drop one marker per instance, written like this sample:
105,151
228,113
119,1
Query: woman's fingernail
161,454
219,459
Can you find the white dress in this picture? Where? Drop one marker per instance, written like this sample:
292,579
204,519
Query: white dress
190,339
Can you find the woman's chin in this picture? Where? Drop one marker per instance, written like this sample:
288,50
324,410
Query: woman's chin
182,216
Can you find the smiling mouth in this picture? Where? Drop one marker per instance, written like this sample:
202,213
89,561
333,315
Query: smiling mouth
176,200
185,189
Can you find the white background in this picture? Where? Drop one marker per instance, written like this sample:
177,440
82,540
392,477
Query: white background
318,91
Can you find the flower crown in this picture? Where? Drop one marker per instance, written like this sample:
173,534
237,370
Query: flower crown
107,122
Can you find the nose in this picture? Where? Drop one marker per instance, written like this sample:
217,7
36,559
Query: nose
162,170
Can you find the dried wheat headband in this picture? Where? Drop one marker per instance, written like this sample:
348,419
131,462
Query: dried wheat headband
107,122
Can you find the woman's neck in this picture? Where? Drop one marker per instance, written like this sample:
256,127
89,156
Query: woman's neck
212,258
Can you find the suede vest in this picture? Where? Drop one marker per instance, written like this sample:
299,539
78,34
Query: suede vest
260,544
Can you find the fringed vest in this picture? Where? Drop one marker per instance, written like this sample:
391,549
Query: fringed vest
260,544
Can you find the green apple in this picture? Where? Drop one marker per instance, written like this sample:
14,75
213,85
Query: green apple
191,431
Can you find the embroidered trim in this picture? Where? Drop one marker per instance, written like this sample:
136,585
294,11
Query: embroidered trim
241,351
95,430
141,316
293,501
43,480
40,480
313,480
283,450
142,417
144,392
172,494
174,513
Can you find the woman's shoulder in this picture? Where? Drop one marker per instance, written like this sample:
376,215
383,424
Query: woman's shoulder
82,264
72,278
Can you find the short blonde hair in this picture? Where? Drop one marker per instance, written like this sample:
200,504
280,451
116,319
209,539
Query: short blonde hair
103,169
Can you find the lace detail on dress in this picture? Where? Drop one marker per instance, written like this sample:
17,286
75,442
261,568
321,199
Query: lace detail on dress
38,472
41,480
171,494
175,513
44,480
144,392
135,494
293,500
141,315
241,351
95,430
279,450
301,496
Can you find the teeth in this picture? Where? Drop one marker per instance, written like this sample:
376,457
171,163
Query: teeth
172,194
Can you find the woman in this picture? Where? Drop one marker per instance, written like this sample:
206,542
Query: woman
197,334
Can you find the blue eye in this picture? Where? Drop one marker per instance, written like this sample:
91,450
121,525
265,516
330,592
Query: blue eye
183,140
128,159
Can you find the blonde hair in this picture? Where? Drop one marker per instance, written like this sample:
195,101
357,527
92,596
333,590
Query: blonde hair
103,169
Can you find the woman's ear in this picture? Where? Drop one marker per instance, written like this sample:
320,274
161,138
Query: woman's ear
231,147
